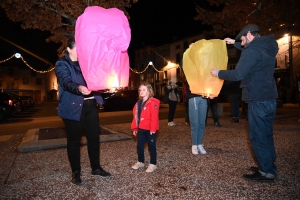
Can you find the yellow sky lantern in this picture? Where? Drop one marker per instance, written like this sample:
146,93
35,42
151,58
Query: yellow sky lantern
198,61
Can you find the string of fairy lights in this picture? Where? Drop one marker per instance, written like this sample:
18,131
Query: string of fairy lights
17,55
151,64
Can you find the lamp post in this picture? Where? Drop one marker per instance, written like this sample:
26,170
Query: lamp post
291,60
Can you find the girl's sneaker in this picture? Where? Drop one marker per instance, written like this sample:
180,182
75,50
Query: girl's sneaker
151,168
171,124
138,165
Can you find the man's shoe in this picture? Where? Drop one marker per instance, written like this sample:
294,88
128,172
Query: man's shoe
235,120
257,177
100,172
186,123
254,169
218,124
138,165
76,178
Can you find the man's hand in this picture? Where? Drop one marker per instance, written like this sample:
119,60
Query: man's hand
229,41
215,72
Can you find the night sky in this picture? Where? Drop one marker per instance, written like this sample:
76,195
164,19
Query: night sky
152,22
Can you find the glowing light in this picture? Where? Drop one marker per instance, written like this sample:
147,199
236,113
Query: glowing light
150,63
112,81
171,65
17,55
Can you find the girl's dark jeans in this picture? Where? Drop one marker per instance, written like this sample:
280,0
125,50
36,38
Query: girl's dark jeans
143,137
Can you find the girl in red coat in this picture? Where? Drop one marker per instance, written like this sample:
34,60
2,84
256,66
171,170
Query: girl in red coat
145,123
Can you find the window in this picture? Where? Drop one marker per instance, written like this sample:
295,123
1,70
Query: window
178,58
231,52
25,81
178,71
10,84
11,71
156,75
165,74
38,81
33,73
149,78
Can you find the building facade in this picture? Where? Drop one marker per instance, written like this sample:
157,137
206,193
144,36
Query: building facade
27,82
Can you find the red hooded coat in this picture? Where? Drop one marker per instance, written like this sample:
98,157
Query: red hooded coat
149,116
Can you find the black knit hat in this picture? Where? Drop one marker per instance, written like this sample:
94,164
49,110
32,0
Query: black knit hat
249,27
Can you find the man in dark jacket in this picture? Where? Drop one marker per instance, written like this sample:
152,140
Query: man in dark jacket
255,69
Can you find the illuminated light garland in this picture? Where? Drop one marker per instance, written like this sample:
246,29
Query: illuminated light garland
133,70
17,55
1,61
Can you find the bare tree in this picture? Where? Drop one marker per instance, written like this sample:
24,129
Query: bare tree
56,16
229,16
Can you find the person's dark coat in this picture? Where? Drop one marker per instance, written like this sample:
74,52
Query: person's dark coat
234,91
255,68
69,77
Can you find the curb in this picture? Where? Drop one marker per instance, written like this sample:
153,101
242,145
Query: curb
31,142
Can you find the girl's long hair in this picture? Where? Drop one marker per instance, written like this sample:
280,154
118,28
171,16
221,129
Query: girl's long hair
149,88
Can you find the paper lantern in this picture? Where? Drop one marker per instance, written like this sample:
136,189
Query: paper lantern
102,37
198,61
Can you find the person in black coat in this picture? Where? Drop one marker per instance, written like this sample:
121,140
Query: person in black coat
234,97
171,92
77,106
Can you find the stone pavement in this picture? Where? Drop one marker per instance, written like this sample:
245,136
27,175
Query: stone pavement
45,174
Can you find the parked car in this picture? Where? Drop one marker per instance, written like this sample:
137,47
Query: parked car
7,106
4,114
24,103
29,99
120,100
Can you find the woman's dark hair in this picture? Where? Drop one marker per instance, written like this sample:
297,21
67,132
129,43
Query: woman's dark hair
71,42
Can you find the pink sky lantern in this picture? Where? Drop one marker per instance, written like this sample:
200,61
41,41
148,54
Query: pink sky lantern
102,37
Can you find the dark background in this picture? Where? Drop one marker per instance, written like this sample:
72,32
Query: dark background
152,22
